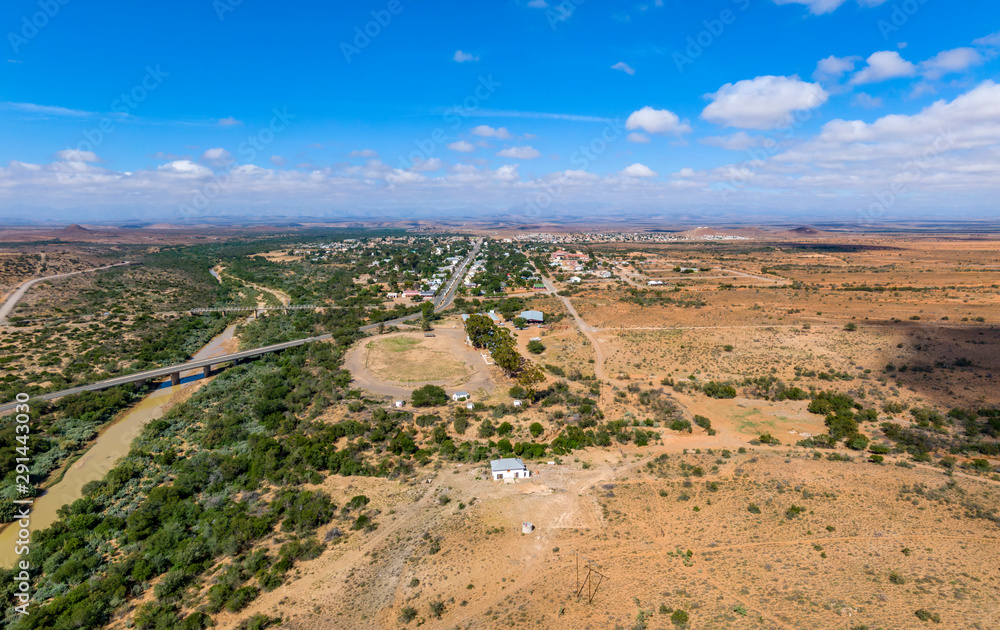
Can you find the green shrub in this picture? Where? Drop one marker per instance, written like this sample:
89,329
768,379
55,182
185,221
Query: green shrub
679,618
407,614
427,420
429,396
718,390
437,608
925,615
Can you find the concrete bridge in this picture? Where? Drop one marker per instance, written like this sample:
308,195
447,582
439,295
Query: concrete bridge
255,309
174,371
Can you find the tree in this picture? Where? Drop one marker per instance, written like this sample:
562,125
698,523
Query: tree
507,358
536,429
520,322
427,310
428,396
479,328
528,378
536,347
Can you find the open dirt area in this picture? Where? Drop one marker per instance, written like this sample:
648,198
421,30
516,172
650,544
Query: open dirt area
397,363
912,318
735,540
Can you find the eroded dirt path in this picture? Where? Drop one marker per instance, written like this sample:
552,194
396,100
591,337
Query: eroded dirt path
19,292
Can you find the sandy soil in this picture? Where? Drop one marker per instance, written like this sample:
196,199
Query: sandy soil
372,374
630,513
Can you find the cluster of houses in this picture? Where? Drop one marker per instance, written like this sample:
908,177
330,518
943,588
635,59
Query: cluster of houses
568,261
623,237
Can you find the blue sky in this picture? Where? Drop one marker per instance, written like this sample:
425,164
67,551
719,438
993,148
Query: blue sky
823,109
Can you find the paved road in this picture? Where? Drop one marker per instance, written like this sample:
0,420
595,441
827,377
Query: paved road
443,300
15,297
173,369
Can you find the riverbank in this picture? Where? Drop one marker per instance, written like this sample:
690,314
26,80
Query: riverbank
112,444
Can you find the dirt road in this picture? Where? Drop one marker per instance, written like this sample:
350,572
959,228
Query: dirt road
479,378
18,293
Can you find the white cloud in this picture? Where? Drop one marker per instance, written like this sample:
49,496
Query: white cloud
486,131
833,67
462,57
656,121
73,155
507,173
365,153
45,110
762,103
462,146
577,175
637,137
168,157
943,161
217,157
991,42
949,61
638,170
430,164
278,160
398,176
624,67
819,7
866,100
519,153
739,141
882,66
184,168
229,121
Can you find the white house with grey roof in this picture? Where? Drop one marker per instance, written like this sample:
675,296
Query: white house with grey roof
510,468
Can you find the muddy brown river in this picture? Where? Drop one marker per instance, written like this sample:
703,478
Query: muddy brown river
112,444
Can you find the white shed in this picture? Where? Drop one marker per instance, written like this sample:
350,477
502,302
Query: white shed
510,468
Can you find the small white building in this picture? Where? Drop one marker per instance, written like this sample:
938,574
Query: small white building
517,403
399,404
457,396
510,468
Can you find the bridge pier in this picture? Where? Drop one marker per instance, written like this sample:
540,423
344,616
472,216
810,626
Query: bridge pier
175,378
206,371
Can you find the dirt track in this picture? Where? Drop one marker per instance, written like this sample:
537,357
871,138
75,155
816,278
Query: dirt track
480,378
